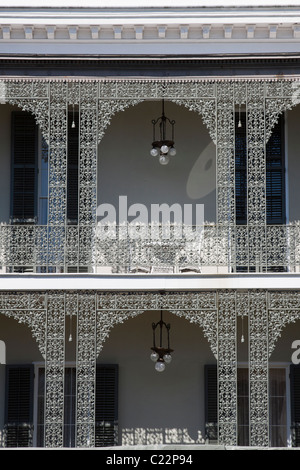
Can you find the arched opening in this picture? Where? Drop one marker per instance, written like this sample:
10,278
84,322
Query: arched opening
154,407
126,168
16,382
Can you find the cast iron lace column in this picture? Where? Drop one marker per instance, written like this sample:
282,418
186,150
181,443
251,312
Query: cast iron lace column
86,369
256,218
227,368
227,365
88,146
54,369
258,369
55,336
57,184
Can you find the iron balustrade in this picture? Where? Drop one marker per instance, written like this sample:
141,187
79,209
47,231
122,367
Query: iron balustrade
169,248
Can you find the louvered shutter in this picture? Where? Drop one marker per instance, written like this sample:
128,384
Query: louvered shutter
211,403
106,426
19,406
275,175
295,404
275,172
24,168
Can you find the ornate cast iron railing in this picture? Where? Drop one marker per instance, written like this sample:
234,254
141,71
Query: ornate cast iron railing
173,248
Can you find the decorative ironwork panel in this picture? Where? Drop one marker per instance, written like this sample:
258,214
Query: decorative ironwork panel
57,154
284,308
227,368
107,108
31,96
206,108
256,173
86,369
197,307
256,143
98,312
28,308
88,153
258,369
54,369
225,153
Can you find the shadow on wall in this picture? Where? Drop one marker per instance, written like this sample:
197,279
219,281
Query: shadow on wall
147,436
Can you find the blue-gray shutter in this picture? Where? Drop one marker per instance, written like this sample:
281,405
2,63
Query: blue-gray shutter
275,172
106,425
295,404
24,148
211,403
19,406
275,175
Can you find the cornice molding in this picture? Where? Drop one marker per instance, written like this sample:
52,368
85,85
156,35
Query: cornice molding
113,31
149,33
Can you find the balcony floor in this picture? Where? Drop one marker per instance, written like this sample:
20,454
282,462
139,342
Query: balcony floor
155,282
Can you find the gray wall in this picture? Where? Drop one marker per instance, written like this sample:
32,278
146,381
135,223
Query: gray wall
126,167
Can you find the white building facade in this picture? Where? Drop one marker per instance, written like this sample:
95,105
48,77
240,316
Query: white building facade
101,246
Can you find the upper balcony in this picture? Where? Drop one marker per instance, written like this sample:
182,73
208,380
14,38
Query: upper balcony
171,248
82,146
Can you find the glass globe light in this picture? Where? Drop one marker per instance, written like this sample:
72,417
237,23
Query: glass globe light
163,159
154,356
164,149
160,366
154,152
172,152
167,358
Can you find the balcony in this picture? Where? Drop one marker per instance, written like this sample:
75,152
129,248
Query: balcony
169,248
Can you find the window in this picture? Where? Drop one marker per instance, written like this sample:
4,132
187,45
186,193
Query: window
295,404
277,405
275,172
211,401
278,415
25,150
275,175
24,168
106,411
19,406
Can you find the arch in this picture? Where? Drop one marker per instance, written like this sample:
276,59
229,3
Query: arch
35,321
106,321
278,320
114,96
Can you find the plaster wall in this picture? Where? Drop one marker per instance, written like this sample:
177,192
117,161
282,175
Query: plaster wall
154,408
166,407
125,167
